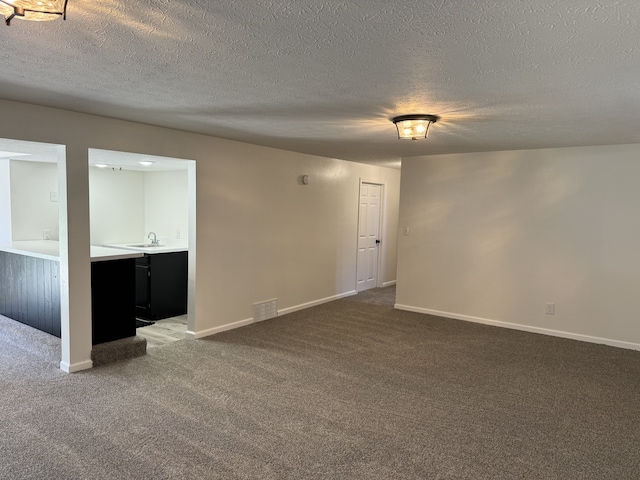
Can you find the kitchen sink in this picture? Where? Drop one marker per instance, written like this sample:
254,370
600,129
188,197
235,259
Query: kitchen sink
145,245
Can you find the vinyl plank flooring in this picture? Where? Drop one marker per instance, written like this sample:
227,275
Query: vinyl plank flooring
163,332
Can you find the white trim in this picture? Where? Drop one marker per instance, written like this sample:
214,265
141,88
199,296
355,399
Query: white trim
266,301
302,306
76,367
243,323
388,284
220,329
381,229
192,255
525,328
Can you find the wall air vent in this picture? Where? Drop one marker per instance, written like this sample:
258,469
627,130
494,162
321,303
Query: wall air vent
265,310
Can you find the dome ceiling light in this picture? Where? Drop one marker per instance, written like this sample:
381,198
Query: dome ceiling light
36,10
414,126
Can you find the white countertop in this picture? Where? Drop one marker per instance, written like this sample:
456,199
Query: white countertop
150,250
50,250
105,253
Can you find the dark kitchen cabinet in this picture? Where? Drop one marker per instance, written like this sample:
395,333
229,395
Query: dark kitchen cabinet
113,308
30,293
161,285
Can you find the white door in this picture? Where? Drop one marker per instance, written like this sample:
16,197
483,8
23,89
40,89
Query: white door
368,236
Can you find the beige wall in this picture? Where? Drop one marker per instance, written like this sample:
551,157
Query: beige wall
166,207
124,205
5,201
263,235
260,234
117,206
495,236
127,205
32,210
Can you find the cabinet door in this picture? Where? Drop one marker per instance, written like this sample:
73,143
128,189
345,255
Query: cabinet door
168,295
113,300
143,278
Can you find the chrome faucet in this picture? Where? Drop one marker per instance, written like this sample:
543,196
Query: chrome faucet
155,239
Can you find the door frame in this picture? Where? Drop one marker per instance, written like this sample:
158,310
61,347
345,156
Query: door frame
381,229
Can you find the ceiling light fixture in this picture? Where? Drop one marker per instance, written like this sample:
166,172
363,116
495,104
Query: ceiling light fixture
146,163
36,10
101,165
414,126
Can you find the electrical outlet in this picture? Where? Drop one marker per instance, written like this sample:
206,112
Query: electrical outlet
46,234
53,196
405,231
550,309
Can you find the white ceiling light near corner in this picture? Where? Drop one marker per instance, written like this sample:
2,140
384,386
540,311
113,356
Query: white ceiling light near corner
414,126
145,163
36,10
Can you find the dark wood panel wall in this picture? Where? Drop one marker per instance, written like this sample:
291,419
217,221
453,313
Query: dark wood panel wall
30,291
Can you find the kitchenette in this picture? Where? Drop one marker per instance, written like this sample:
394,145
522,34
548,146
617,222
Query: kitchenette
127,281
30,288
135,272
161,279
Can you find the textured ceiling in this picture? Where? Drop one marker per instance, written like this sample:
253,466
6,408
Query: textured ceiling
324,77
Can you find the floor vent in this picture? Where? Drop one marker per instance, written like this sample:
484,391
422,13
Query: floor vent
265,310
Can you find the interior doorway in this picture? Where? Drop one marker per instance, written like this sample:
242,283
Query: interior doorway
369,235
146,203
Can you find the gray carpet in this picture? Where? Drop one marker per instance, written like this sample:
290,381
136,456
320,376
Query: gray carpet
348,390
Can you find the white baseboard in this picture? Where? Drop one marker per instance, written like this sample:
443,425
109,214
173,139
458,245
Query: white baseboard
388,284
302,306
525,328
221,328
249,321
75,367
